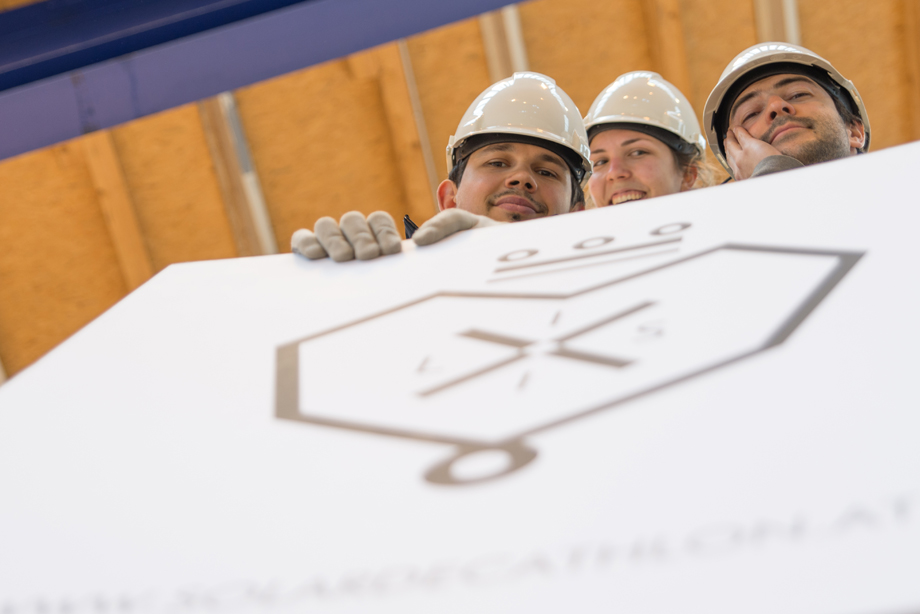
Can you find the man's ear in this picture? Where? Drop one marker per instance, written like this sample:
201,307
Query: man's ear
447,195
690,175
856,133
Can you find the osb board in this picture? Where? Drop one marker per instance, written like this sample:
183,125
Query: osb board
173,187
451,71
172,183
715,31
58,266
868,48
584,45
321,146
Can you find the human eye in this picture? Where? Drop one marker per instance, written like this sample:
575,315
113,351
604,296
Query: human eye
798,95
599,162
548,173
747,112
638,153
498,163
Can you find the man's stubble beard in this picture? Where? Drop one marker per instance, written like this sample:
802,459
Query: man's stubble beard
831,142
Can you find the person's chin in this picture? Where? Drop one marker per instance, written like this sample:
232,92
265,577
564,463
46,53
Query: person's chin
791,142
515,214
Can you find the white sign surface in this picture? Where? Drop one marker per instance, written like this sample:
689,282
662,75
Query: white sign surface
702,403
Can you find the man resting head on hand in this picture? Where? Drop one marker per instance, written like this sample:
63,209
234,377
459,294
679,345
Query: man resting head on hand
779,106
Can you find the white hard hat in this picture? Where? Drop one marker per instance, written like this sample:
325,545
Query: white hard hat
766,60
525,108
649,104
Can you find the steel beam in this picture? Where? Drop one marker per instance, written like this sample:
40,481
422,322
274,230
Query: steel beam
204,64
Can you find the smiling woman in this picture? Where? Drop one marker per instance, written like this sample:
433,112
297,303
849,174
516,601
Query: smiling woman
645,141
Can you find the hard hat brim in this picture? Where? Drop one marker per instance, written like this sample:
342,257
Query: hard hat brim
477,141
674,141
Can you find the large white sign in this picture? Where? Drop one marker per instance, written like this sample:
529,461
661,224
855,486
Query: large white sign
702,403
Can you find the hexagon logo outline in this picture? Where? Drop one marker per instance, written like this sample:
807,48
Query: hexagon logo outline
515,447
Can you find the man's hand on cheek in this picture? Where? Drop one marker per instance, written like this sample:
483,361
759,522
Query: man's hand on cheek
744,152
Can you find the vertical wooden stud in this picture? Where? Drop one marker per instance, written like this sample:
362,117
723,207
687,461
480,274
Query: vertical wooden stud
391,66
503,42
777,20
910,10
666,41
117,208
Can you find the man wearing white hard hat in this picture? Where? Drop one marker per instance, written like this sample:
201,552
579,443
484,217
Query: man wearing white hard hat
519,153
645,141
780,106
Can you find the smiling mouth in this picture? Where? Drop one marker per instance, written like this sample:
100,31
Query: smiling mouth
783,131
518,206
623,197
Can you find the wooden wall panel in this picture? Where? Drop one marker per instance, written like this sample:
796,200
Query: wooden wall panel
715,31
58,265
391,66
168,170
114,200
910,11
868,48
321,145
450,70
584,45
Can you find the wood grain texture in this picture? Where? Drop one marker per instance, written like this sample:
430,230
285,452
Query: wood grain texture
710,49
385,65
115,202
769,20
665,32
585,45
495,45
174,187
58,266
451,71
910,18
867,46
321,145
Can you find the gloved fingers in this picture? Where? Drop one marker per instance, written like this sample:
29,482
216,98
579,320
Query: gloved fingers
358,233
306,244
443,225
330,237
384,229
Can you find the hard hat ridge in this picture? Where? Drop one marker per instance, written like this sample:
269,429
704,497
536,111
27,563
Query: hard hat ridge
644,101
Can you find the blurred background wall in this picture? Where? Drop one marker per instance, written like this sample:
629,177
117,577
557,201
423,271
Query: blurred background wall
84,222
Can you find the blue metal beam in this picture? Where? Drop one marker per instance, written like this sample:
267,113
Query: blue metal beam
157,75
56,36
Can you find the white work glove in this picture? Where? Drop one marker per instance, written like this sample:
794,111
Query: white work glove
449,222
352,237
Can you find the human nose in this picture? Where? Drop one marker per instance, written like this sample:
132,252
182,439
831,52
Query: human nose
521,177
617,169
776,106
